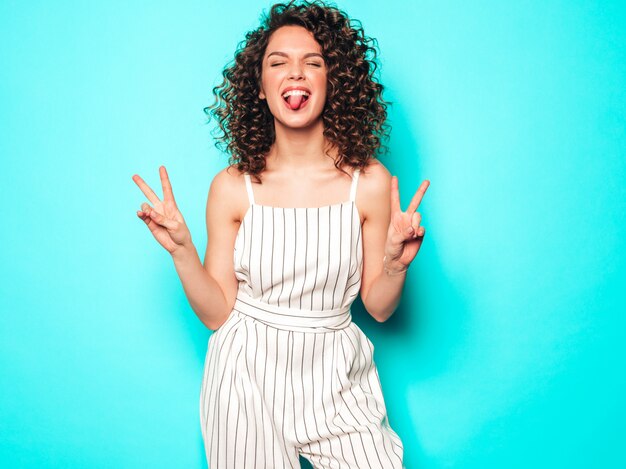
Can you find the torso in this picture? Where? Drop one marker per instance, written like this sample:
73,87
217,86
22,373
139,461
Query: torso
301,190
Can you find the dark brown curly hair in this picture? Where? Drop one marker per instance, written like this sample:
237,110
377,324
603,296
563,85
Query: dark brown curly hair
354,114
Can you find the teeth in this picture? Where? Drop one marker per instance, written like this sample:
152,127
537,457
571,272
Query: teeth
295,92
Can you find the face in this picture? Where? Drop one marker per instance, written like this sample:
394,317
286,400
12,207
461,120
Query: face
293,77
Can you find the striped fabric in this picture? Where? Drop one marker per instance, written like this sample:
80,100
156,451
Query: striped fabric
289,373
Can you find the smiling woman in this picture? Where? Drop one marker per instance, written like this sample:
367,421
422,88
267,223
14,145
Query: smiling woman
294,75
294,96
287,371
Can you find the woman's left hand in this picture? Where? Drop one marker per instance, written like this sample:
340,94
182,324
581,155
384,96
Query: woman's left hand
405,235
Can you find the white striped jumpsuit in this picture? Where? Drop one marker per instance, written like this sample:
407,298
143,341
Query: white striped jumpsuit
289,373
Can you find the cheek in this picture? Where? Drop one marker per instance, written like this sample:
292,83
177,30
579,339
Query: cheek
265,81
269,79
322,84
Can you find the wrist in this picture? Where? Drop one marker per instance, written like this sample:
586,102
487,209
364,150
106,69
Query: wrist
183,252
391,270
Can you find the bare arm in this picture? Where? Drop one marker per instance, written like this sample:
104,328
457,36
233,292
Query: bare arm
387,233
222,221
210,289
204,294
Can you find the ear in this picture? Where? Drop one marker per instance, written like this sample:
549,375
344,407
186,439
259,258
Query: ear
261,94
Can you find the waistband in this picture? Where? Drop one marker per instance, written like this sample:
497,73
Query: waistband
293,319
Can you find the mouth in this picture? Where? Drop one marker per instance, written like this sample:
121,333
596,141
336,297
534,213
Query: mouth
296,99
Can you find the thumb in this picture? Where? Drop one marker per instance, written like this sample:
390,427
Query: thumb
163,221
407,235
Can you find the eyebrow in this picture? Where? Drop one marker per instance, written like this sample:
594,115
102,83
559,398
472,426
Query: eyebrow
307,55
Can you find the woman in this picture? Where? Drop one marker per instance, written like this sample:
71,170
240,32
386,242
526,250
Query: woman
287,372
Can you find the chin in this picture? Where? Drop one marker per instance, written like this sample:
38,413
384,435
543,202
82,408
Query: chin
298,123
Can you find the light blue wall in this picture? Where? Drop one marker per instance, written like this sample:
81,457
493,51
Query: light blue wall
508,347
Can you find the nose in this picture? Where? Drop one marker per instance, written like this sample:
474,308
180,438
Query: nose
295,71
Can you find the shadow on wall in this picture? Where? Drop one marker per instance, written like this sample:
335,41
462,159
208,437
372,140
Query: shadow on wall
408,353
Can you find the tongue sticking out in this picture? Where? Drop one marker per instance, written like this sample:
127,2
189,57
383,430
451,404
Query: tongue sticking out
295,101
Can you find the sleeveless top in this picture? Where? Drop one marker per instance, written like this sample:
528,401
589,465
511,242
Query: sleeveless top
300,258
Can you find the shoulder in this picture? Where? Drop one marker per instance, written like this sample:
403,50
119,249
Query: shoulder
228,191
374,186
374,176
227,179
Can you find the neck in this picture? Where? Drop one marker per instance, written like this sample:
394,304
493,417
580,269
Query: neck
299,149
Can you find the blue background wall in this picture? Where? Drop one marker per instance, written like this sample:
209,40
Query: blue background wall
508,347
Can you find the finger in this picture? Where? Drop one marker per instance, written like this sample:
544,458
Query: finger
417,198
415,222
149,193
409,233
395,195
397,238
144,217
165,183
163,221
151,224
403,233
144,214
146,209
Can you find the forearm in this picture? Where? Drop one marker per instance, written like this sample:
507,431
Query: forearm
204,294
384,295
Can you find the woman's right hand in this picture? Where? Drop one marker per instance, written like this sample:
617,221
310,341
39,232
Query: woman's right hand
164,220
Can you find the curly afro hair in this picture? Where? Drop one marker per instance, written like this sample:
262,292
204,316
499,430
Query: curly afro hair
354,114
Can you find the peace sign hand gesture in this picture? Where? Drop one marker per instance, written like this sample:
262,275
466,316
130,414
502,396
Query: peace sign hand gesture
405,235
164,219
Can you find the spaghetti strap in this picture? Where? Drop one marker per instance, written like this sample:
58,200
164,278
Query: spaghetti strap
249,188
355,178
